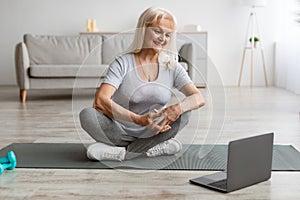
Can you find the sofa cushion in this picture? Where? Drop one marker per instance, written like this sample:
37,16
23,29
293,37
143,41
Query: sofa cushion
63,49
115,44
67,70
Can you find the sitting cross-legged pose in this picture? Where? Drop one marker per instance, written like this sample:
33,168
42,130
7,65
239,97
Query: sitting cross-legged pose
130,116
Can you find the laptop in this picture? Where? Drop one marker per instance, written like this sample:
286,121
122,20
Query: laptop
249,162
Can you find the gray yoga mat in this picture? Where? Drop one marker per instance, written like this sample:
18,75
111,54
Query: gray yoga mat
73,156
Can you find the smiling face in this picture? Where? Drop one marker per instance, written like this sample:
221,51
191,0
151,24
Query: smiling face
158,35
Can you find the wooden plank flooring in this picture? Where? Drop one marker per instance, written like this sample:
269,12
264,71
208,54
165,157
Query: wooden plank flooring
48,117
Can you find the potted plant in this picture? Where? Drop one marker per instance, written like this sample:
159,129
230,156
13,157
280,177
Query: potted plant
256,39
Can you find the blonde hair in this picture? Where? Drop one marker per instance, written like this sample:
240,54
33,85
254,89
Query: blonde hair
148,18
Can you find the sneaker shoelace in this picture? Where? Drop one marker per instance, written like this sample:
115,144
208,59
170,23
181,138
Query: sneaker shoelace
112,156
158,149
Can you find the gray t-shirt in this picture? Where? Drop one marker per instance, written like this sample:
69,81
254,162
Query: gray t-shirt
140,96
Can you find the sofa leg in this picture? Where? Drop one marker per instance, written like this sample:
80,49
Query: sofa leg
23,94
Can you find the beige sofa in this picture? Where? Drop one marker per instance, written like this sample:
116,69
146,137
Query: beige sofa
54,62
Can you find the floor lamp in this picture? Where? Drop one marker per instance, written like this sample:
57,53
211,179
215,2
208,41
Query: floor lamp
252,33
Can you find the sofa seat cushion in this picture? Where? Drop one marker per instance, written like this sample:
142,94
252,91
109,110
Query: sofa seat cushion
67,70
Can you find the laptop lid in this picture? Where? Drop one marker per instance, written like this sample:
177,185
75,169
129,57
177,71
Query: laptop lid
249,161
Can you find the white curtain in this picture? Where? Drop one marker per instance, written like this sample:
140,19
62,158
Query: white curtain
287,68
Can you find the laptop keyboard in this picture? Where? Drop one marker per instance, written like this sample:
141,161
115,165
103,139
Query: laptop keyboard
220,184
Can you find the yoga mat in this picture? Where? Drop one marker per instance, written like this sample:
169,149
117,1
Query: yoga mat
73,156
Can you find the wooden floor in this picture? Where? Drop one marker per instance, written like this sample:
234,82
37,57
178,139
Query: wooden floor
51,116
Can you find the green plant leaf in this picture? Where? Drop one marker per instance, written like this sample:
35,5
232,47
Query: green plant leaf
256,39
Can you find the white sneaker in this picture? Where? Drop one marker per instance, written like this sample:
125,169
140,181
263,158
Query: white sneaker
169,147
101,151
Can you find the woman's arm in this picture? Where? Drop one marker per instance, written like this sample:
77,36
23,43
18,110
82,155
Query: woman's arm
107,106
193,100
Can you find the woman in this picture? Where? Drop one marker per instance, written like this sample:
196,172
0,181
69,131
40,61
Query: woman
130,117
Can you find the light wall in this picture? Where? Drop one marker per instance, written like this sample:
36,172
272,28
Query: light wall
287,65
225,21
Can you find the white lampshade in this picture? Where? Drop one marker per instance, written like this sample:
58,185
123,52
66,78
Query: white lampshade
255,3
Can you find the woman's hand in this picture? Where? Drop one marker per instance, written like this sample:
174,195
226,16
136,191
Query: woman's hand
153,121
159,121
172,113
